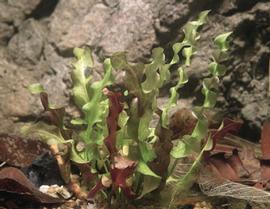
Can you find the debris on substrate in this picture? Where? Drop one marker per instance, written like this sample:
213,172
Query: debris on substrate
21,183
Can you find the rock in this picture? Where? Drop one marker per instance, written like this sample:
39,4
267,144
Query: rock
26,6
6,31
16,103
85,28
128,30
55,191
13,11
9,13
37,43
105,28
26,46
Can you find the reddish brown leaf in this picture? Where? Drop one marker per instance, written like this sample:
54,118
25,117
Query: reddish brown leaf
122,169
265,170
13,181
86,173
246,150
222,167
182,123
265,147
54,116
112,120
265,140
97,188
13,150
229,126
235,160
163,147
236,163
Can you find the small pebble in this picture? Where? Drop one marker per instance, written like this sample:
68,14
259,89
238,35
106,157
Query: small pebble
203,205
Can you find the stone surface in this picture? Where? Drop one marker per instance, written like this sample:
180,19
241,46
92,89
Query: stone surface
37,39
6,31
27,45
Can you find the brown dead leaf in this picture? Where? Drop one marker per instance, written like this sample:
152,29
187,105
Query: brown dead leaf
13,181
20,152
235,159
182,123
265,140
222,167
54,116
265,161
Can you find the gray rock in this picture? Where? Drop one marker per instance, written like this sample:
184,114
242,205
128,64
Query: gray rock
6,31
40,49
26,46
16,103
15,11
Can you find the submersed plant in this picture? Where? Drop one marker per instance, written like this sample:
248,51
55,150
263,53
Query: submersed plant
122,151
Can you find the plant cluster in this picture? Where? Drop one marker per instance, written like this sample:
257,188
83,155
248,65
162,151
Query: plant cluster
127,151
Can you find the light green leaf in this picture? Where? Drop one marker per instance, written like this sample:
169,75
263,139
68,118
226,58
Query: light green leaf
152,80
185,182
216,69
82,157
123,118
200,129
144,125
221,41
78,121
190,29
119,60
181,150
84,62
187,53
147,152
150,183
177,47
144,169
203,16
210,98
47,133
210,86
36,88
183,79
209,144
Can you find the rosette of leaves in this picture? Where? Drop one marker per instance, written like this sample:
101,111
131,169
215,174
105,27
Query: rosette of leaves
116,135
151,145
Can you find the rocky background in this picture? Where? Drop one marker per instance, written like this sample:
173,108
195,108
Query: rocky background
37,38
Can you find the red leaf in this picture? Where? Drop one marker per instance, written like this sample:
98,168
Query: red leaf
13,149
112,120
95,190
13,181
229,126
122,169
86,173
